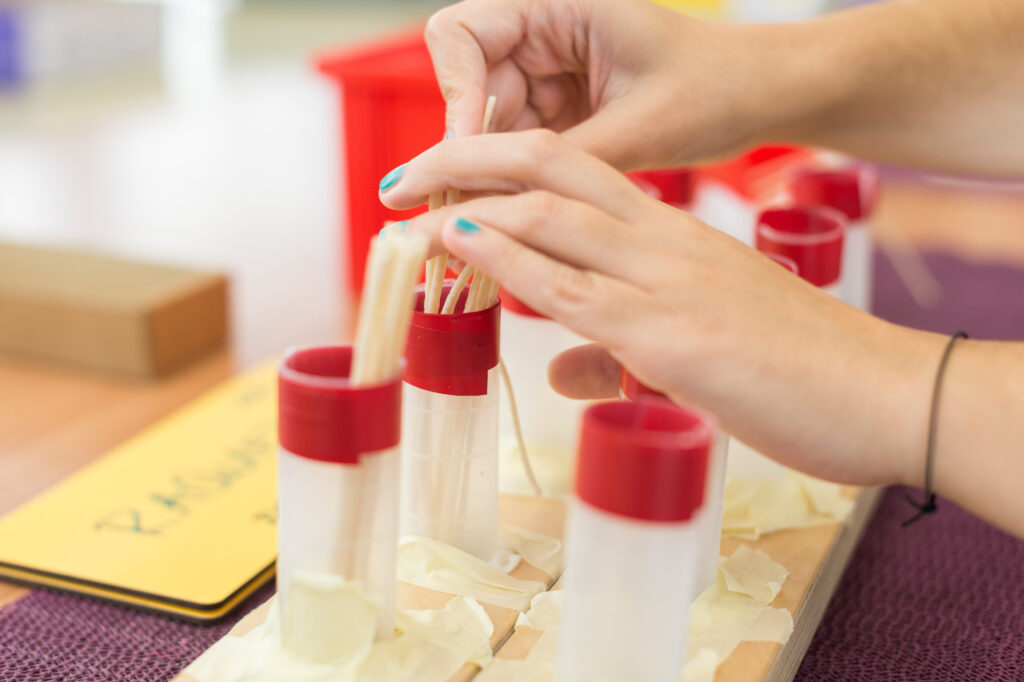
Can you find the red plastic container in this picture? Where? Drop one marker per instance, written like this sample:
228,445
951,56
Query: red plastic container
392,110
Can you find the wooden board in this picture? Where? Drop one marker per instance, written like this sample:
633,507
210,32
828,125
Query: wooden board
815,557
541,515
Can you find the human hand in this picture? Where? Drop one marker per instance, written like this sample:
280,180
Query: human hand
688,310
633,83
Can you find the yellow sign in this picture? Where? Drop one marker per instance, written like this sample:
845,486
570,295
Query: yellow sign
180,518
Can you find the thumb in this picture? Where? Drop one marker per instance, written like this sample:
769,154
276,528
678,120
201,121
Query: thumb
585,372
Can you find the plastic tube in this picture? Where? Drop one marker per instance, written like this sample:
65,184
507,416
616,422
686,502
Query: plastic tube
810,236
337,481
631,542
450,425
853,191
709,518
549,421
674,186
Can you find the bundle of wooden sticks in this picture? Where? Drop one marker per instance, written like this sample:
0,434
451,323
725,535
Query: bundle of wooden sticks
483,291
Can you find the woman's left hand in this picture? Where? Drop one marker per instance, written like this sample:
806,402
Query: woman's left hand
687,309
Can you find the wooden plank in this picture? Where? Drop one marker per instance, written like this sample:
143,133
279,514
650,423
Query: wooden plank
815,557
541,515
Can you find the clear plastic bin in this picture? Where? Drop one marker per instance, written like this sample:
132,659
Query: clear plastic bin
549,421
337,480
632,540
450,428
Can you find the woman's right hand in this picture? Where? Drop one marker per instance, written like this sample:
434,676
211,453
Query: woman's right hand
632,83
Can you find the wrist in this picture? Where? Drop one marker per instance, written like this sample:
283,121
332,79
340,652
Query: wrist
910,362
796,80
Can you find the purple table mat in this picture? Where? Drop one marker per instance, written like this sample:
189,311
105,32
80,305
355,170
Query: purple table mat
940,600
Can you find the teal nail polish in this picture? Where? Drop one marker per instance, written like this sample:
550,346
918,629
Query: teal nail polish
448,134
391,178
466,226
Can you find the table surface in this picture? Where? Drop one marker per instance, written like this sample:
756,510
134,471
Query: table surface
274,228
54,419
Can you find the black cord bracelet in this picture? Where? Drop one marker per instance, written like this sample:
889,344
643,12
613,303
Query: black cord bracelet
929,506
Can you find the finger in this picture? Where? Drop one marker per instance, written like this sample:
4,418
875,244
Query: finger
510,163
583,300
569,231
585,373
463,39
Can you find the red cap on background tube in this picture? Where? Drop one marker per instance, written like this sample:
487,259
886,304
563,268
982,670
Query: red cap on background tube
853,191
646,460
322,416
632,389
672,185
810,236
452,354
785,262
514,305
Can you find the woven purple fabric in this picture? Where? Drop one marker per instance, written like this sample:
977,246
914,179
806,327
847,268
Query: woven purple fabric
50,636
941,600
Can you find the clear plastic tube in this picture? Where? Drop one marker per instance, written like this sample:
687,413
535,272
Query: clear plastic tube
340,520
858,266
450,467
709,518
450,427
337,480
851,189
626,607
549,421
632,541
812,236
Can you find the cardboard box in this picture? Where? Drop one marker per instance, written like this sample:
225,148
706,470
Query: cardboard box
107,313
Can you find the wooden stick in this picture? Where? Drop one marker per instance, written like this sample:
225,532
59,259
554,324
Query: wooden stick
456,291
480,296
436,268
520,441
381,332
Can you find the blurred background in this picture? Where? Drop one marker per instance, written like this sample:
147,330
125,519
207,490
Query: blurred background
198,132
206,134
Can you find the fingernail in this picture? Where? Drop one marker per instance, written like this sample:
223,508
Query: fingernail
391,178
466,226
448,134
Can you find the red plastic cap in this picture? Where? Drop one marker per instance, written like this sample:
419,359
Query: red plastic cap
810,236
632,389
852,191
646,460
785,262
321,416
757,174
513,305
672,185
452,354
